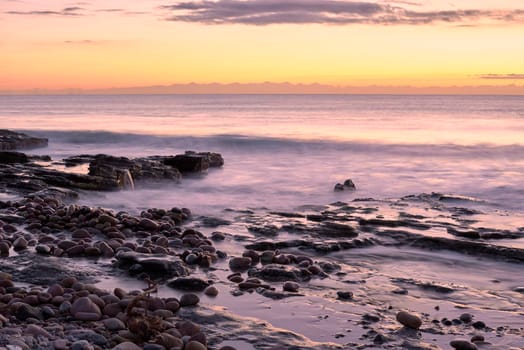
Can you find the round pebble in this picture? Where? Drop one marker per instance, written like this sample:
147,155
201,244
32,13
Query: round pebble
189,299
409,320
211,291
194,345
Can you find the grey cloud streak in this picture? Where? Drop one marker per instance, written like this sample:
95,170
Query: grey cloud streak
512,76
335,12
68,11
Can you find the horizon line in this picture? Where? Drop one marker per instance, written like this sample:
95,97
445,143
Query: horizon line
276,88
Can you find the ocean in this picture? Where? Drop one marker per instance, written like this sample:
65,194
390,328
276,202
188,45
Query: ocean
436,220
284,151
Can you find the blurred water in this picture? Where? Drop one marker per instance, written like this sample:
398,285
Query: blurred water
285,151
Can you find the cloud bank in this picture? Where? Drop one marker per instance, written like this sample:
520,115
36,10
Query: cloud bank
334,12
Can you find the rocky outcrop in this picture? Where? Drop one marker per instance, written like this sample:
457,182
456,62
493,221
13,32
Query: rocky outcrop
194,162
10,140
19,173
13,158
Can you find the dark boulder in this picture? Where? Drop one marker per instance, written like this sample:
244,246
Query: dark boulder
188,163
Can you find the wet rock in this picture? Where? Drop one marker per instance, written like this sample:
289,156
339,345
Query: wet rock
344,295
477,338
85,309
148,224
338,187
188,328
158,346
114,324
37,331
81,345
462,345
25,311
188,283
347,185
10,140
211,291
169,341
291,287
278,273
194,345
264,230
267,257
214,222
13,158
466,317
20,243
409,320
370,318
239,263
89,335
43,249
189,162
479,325
189,299
157,264
218,236
127,346
112,309
4,249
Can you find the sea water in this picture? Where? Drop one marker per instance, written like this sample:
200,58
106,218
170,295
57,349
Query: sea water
284,151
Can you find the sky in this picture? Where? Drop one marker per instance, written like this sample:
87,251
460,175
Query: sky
56,44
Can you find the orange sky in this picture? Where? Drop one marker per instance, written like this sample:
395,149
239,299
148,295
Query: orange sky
115,43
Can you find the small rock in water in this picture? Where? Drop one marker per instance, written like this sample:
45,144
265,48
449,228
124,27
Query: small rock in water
409,320
479,325
338,187
462,345
211,291
189,299
347,185
466,318
477,338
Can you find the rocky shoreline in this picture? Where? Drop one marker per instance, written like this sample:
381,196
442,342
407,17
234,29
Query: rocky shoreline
252,257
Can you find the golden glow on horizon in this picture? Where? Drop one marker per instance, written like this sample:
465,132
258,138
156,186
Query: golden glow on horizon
112,50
